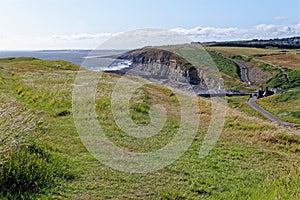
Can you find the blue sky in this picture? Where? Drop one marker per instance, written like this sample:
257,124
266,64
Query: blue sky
34,21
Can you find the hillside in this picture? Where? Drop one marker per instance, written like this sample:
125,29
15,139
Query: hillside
285,105
183,66
285,43
44,157
273,68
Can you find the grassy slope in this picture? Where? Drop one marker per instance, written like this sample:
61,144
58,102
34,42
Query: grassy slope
230,72
285,105
253,159
285,75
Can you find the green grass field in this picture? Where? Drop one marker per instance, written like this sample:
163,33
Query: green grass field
285,105
253,159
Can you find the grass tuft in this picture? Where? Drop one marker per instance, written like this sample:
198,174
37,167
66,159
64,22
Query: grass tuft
31,170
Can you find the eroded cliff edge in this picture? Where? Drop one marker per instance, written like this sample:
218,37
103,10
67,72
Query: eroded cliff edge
164,66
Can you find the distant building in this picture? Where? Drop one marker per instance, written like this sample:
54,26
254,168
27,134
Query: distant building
268,92
264,93
260,94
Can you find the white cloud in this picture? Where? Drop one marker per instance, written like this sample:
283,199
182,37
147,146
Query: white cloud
262,31
83,36
74,41
281,18
201,34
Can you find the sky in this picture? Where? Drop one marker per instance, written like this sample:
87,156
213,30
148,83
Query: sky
82,24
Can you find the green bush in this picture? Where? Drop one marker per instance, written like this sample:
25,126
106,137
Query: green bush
248,59
259,55
31,170
239,57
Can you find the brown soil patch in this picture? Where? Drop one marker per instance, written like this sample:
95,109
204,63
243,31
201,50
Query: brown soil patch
256,74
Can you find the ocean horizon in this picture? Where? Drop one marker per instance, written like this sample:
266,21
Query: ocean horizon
90,59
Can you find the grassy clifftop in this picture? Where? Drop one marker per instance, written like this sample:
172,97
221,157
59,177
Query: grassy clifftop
45,158
34,64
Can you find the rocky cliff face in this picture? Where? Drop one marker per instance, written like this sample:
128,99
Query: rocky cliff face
164,66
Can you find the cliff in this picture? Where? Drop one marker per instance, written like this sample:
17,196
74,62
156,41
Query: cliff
164,66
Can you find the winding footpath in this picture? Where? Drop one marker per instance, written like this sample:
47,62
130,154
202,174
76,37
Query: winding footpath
252,99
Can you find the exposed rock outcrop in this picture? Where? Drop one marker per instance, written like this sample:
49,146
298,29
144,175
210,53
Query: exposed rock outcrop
164,66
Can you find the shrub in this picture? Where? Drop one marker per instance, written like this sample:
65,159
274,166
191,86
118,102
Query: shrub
239,57
259,55
30,170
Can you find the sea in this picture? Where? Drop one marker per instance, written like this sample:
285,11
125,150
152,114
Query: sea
97,60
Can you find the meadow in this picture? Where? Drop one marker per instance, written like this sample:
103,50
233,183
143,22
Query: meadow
288,58
43,156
